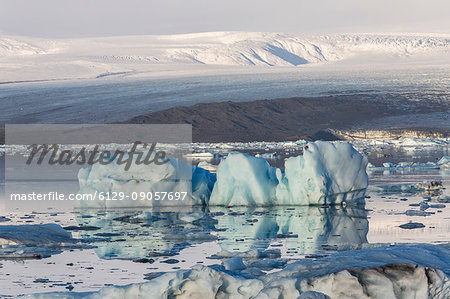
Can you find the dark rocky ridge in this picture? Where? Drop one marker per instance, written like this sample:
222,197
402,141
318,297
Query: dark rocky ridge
292,118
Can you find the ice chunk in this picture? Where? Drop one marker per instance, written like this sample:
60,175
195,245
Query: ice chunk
202,184
269,156
388,272
313,295
244,180
417,213
208,166
35,234
35,241
234,264
174,176
444,162
325,173
408,188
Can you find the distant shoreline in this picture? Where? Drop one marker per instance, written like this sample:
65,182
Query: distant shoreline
320,118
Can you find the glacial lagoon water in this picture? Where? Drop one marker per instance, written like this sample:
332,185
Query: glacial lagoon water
126,246
134,245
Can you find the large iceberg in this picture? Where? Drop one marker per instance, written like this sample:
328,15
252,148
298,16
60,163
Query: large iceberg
326,173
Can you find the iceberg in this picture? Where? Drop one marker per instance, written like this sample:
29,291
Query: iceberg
174,176
385,272
244,180
326,173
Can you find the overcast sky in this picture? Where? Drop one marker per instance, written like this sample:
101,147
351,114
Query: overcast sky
79,18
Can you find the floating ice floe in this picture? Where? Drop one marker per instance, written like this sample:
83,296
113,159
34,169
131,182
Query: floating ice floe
326,173
443,163
208,166
35,240
269,156
408,188
34,234
387,272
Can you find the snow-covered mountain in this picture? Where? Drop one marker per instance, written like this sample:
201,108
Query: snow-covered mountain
131,53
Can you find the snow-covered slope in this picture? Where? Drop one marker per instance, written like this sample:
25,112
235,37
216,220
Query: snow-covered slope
103,56
285,50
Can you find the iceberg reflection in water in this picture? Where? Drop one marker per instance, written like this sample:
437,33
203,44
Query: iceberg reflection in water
288,231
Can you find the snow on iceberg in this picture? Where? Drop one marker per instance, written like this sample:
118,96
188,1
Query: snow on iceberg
326,173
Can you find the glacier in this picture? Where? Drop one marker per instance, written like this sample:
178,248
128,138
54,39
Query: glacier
104,57
326,173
